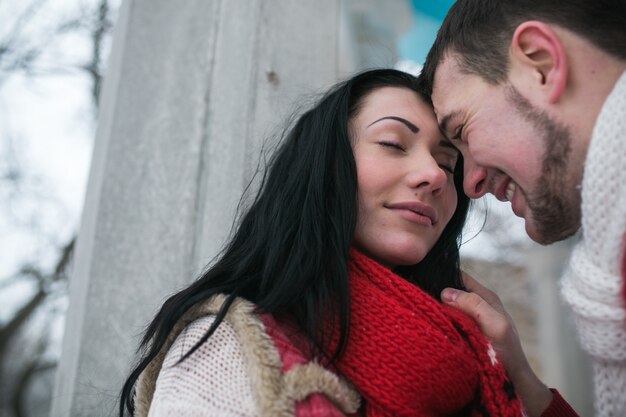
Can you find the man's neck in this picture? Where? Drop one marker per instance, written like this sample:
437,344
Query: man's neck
592,76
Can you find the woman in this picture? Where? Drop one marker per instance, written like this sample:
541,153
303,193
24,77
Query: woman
335,269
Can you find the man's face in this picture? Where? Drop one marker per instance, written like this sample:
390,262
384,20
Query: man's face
511,149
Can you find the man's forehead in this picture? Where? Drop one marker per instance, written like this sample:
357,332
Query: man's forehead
447,74
446,80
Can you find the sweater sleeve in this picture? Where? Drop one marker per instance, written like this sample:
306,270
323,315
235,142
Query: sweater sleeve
213,381
558,407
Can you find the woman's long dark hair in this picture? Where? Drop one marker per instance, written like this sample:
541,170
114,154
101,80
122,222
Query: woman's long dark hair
289,254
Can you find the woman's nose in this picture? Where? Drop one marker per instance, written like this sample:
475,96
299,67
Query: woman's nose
428,175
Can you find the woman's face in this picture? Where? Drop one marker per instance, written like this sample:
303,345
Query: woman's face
404,166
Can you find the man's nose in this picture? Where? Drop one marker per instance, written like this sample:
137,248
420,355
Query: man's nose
474,178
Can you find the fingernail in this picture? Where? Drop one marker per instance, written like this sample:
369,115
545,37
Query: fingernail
449,295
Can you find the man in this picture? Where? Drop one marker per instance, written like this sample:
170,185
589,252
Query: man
533,93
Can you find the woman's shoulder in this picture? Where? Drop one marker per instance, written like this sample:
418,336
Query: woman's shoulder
223,341
213,380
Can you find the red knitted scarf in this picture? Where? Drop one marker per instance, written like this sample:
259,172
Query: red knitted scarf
410,355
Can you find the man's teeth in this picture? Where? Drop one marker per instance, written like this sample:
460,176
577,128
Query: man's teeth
510,189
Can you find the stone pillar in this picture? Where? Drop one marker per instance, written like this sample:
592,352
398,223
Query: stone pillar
193,89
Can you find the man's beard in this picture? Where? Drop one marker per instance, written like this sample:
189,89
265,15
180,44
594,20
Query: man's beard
555,201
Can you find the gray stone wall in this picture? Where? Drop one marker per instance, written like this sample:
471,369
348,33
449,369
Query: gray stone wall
193,89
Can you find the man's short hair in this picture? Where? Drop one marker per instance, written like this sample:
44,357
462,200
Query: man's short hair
479,32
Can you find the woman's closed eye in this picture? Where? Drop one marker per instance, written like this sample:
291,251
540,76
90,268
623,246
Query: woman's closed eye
391,145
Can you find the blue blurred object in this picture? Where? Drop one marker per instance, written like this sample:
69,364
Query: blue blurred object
436,9
427,17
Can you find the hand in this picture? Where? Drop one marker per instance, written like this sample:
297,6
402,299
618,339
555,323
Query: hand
485,307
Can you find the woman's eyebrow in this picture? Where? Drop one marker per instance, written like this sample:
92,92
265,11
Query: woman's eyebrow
408,124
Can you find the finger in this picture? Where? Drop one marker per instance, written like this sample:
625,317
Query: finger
491,321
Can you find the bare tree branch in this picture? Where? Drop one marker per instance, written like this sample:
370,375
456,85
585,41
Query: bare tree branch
29,372
101,28
64,260
22,22
16,53
8,330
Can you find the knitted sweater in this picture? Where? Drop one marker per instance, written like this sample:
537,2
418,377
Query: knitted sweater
253,365
593,283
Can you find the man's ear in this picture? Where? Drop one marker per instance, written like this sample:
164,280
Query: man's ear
536,47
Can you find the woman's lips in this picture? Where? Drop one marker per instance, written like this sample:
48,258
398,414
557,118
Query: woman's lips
415,211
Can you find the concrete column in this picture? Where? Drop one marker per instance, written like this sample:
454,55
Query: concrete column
192,91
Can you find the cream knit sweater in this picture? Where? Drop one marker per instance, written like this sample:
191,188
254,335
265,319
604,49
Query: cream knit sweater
214,381
592,285
250,367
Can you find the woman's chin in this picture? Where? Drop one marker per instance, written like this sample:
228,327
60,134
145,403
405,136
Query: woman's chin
403,258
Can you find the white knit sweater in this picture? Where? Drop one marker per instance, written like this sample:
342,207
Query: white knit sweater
213,381
592,285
